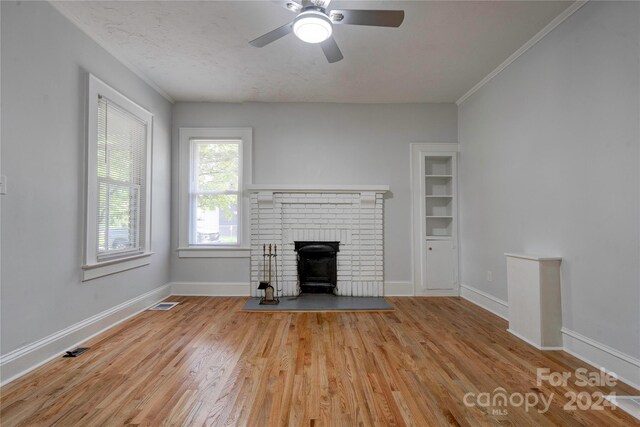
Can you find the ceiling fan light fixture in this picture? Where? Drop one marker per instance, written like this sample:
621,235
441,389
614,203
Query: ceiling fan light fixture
312,26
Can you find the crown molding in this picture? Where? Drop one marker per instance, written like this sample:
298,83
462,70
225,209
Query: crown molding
573,8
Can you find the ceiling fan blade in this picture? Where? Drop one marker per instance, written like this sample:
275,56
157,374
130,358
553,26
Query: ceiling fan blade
377,18
272,36
331,50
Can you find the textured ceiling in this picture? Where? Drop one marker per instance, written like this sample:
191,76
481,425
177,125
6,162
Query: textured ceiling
199,51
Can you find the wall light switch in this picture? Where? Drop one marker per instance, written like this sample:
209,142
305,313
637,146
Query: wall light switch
3,184
489,276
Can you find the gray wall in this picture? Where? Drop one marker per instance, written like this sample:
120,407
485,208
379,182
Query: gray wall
550,164
44,58
322,144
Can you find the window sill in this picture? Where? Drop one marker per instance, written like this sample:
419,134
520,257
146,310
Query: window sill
93,271
214,252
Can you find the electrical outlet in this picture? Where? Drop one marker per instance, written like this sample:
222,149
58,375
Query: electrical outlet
3,184
489,276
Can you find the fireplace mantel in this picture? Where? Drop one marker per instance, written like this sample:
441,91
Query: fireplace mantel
305,188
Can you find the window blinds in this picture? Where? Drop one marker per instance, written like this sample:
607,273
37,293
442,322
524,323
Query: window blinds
121,180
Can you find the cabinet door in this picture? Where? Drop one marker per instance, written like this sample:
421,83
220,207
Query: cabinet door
440,265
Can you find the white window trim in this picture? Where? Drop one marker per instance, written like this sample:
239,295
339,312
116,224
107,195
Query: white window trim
92,268
241,250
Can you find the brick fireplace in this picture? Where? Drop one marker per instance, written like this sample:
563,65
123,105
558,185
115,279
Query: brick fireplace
348,216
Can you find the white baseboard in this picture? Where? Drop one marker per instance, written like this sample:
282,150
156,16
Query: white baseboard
26,358
438,293
210,289
398,289
590,351
626,367
528,341
486,301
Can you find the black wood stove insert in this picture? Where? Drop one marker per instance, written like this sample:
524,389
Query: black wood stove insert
317,266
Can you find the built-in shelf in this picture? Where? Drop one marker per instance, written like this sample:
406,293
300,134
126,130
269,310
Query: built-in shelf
438,186
439,202
439,206
439,226
438,166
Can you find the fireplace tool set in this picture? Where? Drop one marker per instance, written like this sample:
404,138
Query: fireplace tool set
270,292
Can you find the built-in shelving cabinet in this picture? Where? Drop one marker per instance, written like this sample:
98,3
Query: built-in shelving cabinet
434,170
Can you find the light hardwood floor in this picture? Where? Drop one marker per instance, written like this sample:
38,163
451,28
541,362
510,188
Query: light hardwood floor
207,363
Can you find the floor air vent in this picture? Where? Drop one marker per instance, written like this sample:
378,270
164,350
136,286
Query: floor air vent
164,306
77,352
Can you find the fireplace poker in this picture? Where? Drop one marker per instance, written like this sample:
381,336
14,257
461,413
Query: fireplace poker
270,262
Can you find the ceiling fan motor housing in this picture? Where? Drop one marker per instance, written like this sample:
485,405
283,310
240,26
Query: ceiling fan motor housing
312,25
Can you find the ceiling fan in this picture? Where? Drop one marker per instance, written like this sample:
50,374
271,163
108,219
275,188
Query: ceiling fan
314,24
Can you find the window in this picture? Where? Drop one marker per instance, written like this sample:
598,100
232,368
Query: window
213,195
215,166
118,182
